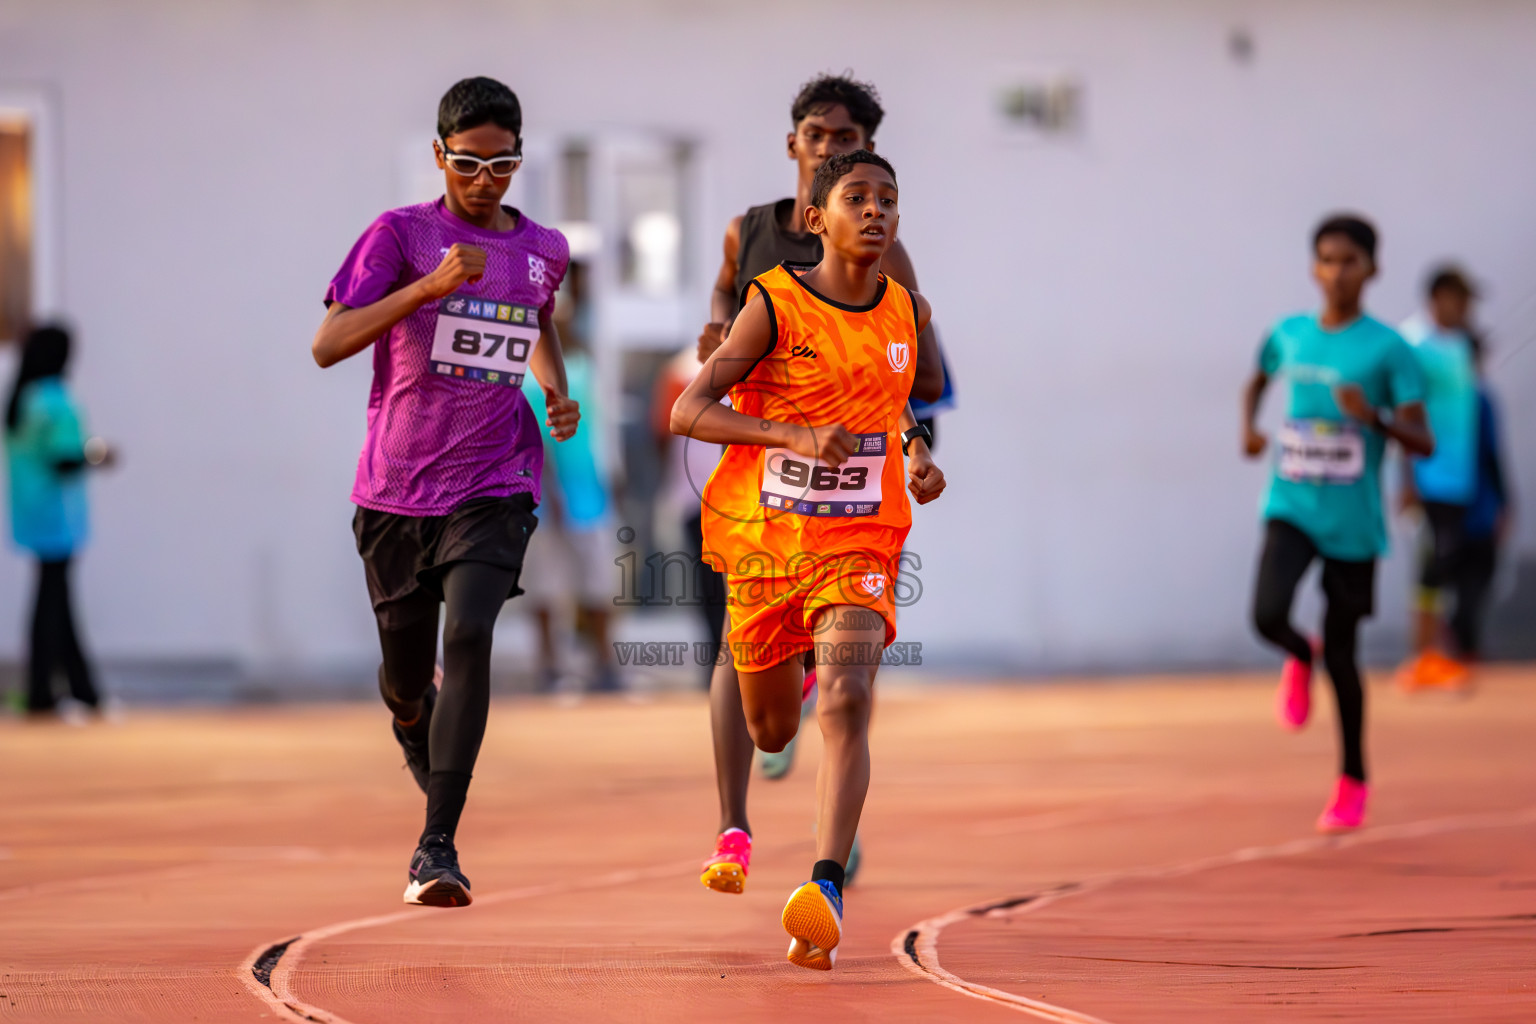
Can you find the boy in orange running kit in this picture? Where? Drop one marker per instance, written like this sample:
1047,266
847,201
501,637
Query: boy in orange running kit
806,512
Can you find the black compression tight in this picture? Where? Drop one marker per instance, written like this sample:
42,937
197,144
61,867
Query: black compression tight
1340,634
1287,554
473,593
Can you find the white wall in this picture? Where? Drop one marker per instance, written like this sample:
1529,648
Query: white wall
1102,297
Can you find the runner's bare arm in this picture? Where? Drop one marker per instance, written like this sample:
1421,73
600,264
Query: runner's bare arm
924,479
561,412
346,331
929,382
924,321
1407,426
1408,491
722,298
698,413
1254,442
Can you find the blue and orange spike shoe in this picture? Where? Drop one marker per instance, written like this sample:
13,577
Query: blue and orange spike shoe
726,870
813,917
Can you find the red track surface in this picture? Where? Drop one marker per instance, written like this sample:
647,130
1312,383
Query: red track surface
145,864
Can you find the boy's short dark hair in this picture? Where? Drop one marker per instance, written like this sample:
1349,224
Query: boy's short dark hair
836,169
1353,227
826,91
1448,277
473,102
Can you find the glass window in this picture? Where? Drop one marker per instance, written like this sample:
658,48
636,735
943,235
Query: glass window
650,216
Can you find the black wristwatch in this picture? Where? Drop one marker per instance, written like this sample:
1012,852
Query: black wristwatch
918,431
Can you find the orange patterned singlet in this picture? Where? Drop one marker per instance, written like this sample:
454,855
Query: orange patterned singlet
770,513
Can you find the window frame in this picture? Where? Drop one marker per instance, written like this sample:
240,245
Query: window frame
38,107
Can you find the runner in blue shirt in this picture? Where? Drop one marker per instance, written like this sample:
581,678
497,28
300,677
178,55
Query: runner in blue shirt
1443,485
1353,384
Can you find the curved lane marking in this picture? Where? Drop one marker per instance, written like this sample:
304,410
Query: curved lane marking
281,959
917,948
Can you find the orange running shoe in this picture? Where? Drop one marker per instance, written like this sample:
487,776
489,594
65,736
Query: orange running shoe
1413,674
813,917
726,870
1434,671
1446,673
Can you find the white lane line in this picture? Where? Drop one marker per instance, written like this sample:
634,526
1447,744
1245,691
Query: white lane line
281,998
211,857
918,947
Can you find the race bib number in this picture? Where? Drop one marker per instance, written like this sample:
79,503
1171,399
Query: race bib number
811,488
1321,452
484,341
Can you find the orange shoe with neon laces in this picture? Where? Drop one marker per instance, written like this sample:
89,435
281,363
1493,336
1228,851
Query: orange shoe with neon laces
726,869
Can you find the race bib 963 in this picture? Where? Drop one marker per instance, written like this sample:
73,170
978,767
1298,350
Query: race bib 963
482,340
809,487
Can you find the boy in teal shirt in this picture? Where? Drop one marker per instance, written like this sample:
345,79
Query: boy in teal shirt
1354,383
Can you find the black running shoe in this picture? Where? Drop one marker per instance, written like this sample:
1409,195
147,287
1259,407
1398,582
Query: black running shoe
436,880
416,750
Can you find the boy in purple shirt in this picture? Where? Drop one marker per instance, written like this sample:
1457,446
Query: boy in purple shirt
456,298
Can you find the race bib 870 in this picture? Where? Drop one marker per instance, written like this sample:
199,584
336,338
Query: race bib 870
809,487
482,340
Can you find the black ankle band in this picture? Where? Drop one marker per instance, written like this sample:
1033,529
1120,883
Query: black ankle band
828,871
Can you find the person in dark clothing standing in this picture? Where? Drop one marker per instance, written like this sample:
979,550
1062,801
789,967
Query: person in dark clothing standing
1486,525
48,454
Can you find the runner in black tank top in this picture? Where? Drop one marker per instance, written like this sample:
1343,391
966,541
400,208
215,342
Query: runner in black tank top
831,115
766,241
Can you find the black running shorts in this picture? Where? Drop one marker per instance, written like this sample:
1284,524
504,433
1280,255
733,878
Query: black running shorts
1440,564
1350,587
405,557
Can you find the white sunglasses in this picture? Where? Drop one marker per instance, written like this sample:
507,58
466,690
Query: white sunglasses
469,166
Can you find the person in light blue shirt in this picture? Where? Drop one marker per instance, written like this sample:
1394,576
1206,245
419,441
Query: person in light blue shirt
1353,385
47,455
1443,485
573,553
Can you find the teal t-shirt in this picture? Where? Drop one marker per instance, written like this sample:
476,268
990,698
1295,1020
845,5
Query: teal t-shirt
575,459
1326,479
1450,405
48,508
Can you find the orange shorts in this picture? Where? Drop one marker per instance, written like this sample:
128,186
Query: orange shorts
774,618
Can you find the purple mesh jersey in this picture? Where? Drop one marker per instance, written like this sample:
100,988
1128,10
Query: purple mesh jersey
436,441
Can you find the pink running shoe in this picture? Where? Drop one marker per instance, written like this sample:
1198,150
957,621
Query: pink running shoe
1293,700
1346,811
726,871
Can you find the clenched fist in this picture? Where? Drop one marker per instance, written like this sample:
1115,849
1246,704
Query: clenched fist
460,263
